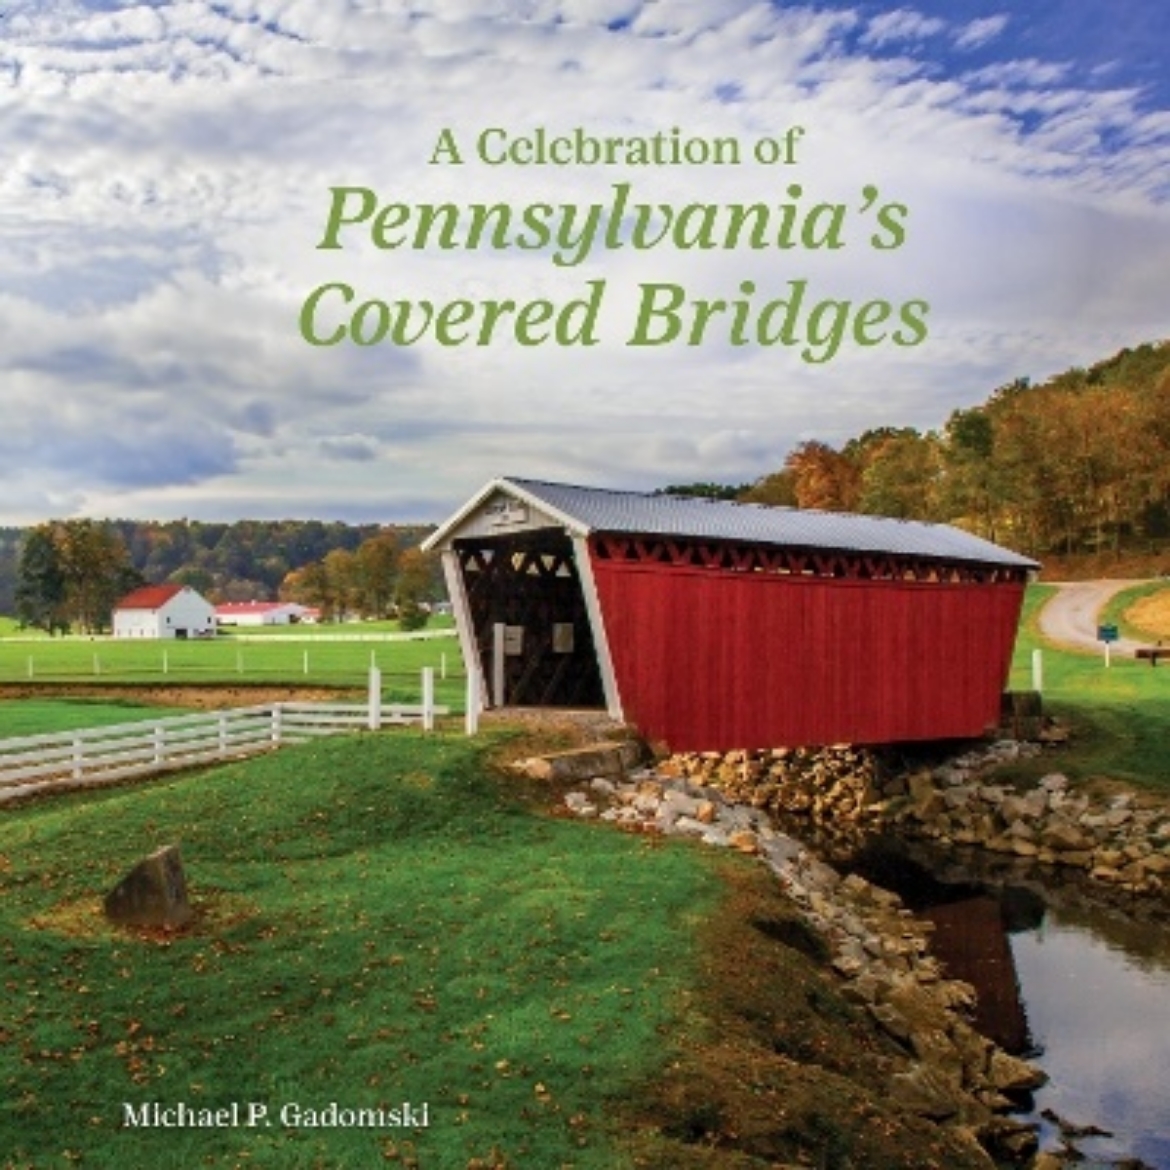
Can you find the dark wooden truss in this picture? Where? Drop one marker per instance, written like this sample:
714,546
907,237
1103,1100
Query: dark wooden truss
531,581
729,556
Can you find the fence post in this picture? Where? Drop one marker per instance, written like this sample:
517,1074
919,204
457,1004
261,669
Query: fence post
96,665
166,663
159,738
1037,671
78,758
223,733
306,662
30,666
471,715
375,708
443,665
428,698
276,724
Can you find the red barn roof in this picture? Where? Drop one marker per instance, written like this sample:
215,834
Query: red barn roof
234,607
149,597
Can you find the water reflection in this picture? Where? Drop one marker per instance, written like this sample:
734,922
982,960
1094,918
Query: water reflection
1088,977
1100,1013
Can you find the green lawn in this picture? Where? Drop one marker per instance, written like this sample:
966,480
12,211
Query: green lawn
369,932
304,661
1119,716
43,716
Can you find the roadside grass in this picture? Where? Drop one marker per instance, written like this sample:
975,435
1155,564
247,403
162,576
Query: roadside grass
1119,716
42,716
304,662
1141,613
376,922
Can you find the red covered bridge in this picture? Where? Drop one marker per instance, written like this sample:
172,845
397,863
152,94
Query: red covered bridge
714,625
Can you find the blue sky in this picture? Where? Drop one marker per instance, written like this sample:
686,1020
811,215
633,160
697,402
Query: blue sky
166,171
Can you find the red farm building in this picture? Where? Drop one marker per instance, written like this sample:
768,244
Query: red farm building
714,625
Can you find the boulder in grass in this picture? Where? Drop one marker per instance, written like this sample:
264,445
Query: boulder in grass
153,893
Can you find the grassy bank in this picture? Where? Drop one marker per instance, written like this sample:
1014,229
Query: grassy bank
377,923
382,919
1119,716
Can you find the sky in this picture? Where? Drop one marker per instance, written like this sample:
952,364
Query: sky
168,172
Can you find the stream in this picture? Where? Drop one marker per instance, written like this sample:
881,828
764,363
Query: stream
1074,980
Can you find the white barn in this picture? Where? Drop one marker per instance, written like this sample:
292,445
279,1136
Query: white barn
164,611
259,613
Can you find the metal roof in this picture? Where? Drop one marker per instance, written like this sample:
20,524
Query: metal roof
150,597
585,510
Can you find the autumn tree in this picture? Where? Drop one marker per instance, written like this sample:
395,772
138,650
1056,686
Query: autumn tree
376,569
902,476
823,477
416,574
72,572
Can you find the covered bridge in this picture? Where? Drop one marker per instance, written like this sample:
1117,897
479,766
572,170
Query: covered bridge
714,625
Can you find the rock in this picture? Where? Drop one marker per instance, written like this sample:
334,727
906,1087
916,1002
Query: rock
744,840
925,1092
578,764
1008,1140
921,785
1062,836
892,1022
153,893
1010,1074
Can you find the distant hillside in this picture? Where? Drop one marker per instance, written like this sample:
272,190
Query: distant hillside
239,561
1075,469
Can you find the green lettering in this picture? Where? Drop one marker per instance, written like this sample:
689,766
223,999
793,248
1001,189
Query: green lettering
446,149
309,313
337,216
649,310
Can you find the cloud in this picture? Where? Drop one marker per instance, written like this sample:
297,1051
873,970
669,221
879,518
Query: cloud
979,32
350,448
903,24
166,174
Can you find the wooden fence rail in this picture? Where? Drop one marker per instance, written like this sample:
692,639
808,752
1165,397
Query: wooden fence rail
87,758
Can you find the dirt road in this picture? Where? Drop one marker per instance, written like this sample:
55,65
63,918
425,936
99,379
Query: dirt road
1070,617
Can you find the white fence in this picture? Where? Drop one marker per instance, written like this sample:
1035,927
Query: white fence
89,758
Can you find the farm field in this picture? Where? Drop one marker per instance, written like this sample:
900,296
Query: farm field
1119,716
303,661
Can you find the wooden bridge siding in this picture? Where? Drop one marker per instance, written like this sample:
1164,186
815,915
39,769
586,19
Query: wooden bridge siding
710,658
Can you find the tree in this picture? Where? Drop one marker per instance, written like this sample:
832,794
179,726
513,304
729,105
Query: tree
902,476
416,574
72,572
97,569
775,490
376,570
971,484
340,567
40,585
823,477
